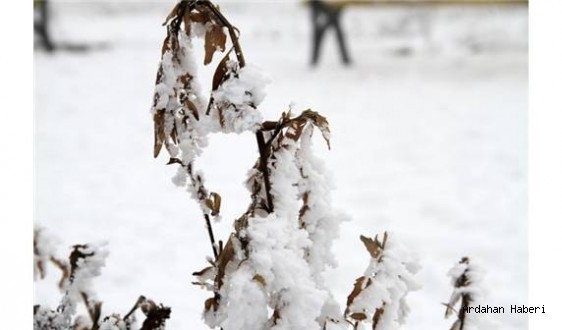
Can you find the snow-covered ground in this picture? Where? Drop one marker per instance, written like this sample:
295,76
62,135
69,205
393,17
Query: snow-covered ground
429,141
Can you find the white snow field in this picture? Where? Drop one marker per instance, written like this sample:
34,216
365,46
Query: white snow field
429,141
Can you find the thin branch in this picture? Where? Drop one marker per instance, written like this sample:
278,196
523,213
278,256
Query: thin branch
140,300
264,155
211,235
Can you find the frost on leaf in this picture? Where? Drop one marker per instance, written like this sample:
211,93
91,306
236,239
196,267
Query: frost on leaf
378,297
466,279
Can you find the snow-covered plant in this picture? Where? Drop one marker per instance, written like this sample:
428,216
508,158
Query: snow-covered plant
44,252
466,279
268,274
379,296
83,265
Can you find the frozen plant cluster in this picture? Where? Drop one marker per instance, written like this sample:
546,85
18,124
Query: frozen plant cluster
84,265
467,280
379,296
269,273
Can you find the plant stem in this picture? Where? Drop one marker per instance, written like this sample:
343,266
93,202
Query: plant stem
263,167
211,235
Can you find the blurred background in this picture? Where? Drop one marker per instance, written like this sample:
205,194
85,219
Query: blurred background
428,112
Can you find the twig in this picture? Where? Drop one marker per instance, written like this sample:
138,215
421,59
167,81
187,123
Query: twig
264,155
211,235
140,300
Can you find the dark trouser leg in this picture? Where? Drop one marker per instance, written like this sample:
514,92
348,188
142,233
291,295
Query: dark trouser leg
341,38
318,28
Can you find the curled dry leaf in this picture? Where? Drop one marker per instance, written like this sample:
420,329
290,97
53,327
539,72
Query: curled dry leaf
215,39
377,316
159,135
216,198
373,246
223,259
358,316
211,304
221,72
321,122
156,316
357,288
258,278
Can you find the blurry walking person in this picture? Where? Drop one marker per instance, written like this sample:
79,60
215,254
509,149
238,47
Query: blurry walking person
326,15
41,23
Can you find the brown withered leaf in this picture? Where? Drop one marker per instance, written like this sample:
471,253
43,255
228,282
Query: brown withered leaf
203,272
185,80
275,316
209,203
377,316
215,39
64,268
220,73
223,259
187,23
174,160
258,278
201,15
170,44
296,128
192,108
156,315
41,267
211,303
216,204
357,288
174,135
373,246
221,116
76,255
159,135
319,121
358,316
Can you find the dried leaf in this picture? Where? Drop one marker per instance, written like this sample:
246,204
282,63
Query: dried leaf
63,266
170,44
258,278
209,204
357,288
215,39
321,122
201,16
211,303
377,316
216,204
187,23
156,316
202,273
174,160
275,317
192,108
358,316
296,128
159,135
373,246
41,267
223,259
221,72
